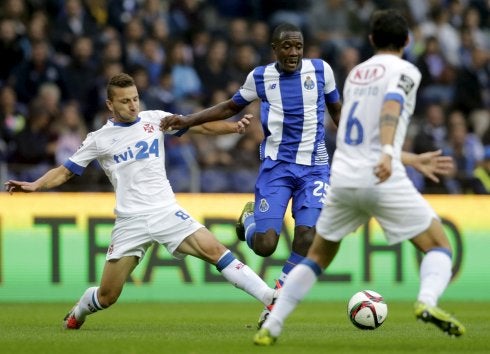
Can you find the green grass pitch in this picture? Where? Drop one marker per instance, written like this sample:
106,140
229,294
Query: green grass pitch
228,328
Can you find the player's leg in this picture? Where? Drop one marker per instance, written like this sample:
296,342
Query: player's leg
269,218
403,213
204,245
261,229
129,242
308,196
297,285
435,275
336,221
98,298
307,202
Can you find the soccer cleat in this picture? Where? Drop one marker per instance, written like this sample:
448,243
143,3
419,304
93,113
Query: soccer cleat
267,309
264,338
70,321
445,321
248,210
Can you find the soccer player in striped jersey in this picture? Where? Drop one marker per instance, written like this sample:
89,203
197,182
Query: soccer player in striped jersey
294,94
369,180
130,149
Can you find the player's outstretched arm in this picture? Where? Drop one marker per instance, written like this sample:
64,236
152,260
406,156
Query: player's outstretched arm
51,179
430,164
223,127
220,111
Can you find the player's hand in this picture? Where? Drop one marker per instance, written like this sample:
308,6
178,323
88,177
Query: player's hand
383,168
174,122
12,186
432,163
244,123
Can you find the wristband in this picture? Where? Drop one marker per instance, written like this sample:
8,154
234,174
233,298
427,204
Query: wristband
388,150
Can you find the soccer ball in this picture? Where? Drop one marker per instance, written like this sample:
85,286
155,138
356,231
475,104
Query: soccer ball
367,309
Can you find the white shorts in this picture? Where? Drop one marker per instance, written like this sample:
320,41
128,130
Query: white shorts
399,208
133,235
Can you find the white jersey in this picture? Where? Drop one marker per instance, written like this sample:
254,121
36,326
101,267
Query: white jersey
380,78
132,155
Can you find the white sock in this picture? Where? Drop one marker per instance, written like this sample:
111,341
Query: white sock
298,283
435,274
88,304
241,276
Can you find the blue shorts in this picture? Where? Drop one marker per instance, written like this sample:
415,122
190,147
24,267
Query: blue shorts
280,181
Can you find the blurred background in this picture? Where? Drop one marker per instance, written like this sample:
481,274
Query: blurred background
56,57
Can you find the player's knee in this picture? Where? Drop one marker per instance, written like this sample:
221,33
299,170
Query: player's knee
303,238
264,251
265,244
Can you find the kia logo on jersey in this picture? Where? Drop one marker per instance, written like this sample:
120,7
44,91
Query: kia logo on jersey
366,74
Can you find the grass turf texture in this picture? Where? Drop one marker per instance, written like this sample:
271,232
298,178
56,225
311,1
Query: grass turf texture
315,327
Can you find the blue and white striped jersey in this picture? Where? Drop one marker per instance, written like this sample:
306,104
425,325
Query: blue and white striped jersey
292,110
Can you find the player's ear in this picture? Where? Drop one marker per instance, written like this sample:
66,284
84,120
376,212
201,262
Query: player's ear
108,103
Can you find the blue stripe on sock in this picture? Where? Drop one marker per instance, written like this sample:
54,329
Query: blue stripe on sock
249,236
443,250
94,300
225,261
291,262
249,225
314,267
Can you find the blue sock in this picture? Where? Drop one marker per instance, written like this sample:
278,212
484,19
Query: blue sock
249,225
291,262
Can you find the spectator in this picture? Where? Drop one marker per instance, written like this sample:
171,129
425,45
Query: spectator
70,130
37,31
467,151
259,38
10,48
482,173
121,12
161,96
244,59
49,97
472,22
431,135
29,75
134,34
77,73
16,10
152,58
111,47
214,70
332,35
12,116
473,90
185,18
447,36
71,23
186,82
33,147
437,75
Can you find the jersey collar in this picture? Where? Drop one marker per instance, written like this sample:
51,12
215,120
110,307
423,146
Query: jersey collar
121,124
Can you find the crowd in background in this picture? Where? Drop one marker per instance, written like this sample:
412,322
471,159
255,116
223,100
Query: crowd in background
56,57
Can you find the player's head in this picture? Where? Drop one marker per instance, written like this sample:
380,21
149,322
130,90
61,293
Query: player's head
122,98
389,30
287,43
